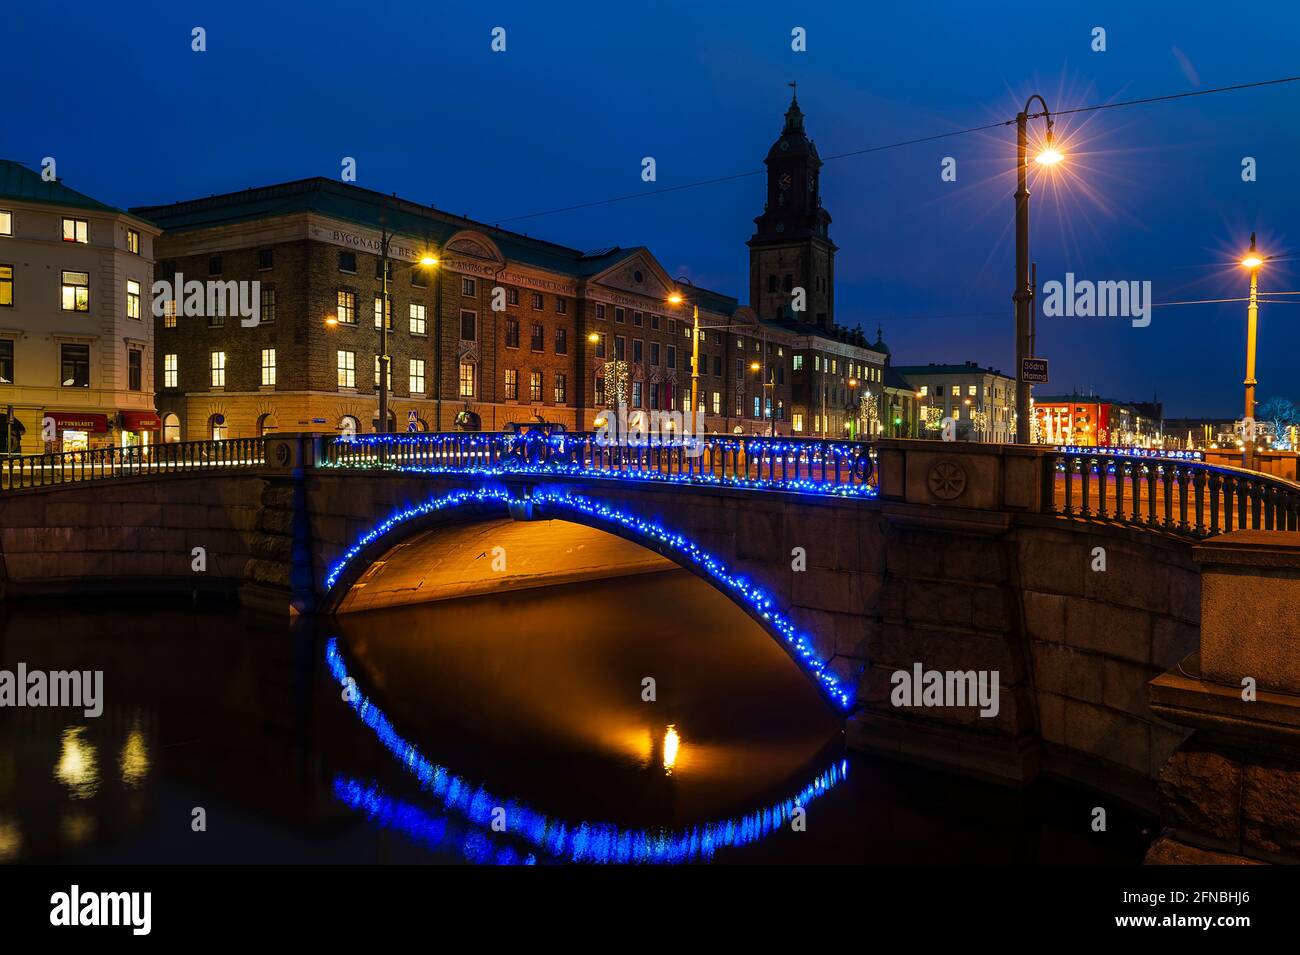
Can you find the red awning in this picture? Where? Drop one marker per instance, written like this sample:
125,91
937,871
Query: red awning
79,421
140,421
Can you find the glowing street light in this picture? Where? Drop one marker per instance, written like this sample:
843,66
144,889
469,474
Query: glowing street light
1024,293
675,297
1251,260
1050,155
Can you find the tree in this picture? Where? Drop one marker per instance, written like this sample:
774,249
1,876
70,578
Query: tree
1281,414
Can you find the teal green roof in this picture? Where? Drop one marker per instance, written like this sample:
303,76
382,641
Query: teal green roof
19,182
907,370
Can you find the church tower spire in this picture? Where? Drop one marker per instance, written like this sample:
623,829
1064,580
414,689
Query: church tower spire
791,246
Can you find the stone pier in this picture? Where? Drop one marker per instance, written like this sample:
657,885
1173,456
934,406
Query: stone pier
1231,792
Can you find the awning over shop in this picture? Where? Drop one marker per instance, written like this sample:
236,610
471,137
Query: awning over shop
140,421
79,421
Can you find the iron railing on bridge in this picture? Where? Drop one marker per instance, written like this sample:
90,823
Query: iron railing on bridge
842,468
98,464
1187,498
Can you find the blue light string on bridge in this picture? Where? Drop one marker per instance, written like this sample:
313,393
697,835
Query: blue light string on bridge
641,474
599,842
1173,454
755,597
564,440
516,463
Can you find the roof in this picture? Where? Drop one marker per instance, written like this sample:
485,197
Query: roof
352,203
894,380
852,337
1082,400
19,182
968,368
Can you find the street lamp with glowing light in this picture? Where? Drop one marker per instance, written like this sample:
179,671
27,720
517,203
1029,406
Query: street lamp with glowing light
1023,297
1251,260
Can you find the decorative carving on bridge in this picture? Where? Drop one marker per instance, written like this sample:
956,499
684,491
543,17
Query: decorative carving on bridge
947,480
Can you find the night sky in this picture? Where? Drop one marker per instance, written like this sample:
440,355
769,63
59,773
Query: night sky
584,91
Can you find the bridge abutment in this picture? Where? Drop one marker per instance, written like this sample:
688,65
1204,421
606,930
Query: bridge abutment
1231,792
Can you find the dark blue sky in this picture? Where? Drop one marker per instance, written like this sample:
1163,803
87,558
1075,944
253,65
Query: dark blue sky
584,91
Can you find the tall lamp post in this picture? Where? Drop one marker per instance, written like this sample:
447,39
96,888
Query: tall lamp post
1024,292
853,405
1252,260
677,298
385,360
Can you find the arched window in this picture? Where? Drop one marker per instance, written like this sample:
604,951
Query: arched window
266,424
171,429
218,428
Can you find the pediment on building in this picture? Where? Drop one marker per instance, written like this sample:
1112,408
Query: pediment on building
639,273
474,245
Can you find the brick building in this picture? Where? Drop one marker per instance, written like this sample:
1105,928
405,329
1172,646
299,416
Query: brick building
505,327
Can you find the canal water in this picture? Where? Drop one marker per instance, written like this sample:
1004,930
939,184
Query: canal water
643,718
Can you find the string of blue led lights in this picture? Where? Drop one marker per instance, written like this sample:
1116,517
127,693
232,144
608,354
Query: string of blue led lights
496,455
746,593
599,843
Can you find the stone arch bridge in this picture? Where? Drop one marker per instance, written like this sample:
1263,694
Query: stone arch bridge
861,560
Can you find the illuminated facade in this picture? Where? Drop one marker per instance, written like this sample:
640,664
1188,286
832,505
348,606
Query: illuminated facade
76,340
506,328
1089,421
980,401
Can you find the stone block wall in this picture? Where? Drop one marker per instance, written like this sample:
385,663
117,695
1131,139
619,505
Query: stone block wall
1097,637
136,534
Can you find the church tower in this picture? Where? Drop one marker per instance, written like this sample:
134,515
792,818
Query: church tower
791,246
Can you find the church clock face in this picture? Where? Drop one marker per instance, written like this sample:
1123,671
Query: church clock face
784,181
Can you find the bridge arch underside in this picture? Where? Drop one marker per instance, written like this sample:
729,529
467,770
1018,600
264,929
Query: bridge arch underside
479,548
471,555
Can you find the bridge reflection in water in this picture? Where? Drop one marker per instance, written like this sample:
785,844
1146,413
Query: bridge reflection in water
493,822
540,705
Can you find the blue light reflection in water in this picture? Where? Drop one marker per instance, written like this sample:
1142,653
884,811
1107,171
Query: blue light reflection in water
599,842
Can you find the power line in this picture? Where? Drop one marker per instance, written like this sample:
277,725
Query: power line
1213,301
1172,96
887,146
